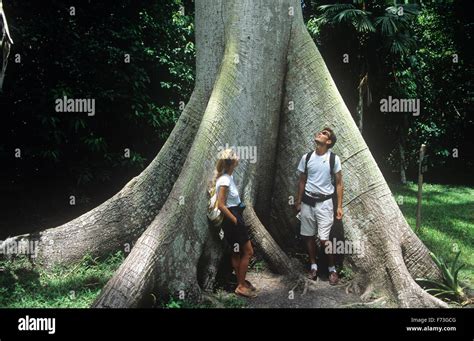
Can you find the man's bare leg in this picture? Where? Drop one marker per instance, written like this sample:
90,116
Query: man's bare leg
311,246
333,277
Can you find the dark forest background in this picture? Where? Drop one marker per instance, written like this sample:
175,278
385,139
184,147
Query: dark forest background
424,53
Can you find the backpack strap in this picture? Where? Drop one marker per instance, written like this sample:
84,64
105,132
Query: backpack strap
332,161
308,156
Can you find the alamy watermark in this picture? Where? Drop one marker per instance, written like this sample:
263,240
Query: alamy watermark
66,104
344,247
28,323
407,105
22,247
243,152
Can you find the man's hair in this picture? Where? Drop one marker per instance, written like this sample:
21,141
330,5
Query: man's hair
333,137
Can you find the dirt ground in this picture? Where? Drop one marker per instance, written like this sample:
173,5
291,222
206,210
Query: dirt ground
274,291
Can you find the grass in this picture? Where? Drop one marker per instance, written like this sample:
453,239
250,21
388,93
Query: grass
447,221
257,265
231,300
22,285
220,299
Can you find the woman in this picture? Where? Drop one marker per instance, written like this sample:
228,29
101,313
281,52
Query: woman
235,230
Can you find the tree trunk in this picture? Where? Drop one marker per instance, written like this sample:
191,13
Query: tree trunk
363,87
5,43
403,176
269,65
403,131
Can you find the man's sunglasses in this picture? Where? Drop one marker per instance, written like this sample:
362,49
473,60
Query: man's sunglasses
324,132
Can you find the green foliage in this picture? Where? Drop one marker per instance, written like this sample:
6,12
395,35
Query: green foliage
387,27
446,220
443,87
257,265
182,304
231,300
84,56
23,285
346,272
346,13
174,304
416,50
220,300
449,287
447,230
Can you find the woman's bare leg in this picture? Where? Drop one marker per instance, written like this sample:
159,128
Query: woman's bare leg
246,254
235,258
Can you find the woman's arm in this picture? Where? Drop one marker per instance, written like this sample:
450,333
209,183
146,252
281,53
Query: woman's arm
221,199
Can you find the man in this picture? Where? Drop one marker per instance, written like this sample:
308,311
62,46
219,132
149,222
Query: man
314,199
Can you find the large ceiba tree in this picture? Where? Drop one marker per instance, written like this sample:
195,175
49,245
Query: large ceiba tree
260,81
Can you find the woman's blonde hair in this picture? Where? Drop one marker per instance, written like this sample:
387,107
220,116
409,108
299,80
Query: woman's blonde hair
226,160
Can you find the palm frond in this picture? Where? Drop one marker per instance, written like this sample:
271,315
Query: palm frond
356,17
387,25
328,13
400,44
333,9
321,20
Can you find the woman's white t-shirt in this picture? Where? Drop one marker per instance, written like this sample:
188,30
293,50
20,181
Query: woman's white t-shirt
233,198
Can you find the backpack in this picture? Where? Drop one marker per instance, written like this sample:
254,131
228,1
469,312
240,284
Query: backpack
214,215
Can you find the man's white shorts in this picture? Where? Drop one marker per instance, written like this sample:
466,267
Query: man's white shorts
320,216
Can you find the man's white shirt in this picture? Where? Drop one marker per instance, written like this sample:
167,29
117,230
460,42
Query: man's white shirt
318,177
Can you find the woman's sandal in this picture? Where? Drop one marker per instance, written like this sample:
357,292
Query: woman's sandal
249,294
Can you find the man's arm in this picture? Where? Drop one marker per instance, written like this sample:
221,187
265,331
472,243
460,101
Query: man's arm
340,190
299,195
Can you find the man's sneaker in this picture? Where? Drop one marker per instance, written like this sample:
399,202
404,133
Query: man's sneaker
313,274
333,278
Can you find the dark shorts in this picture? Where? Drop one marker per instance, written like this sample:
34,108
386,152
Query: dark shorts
235,234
